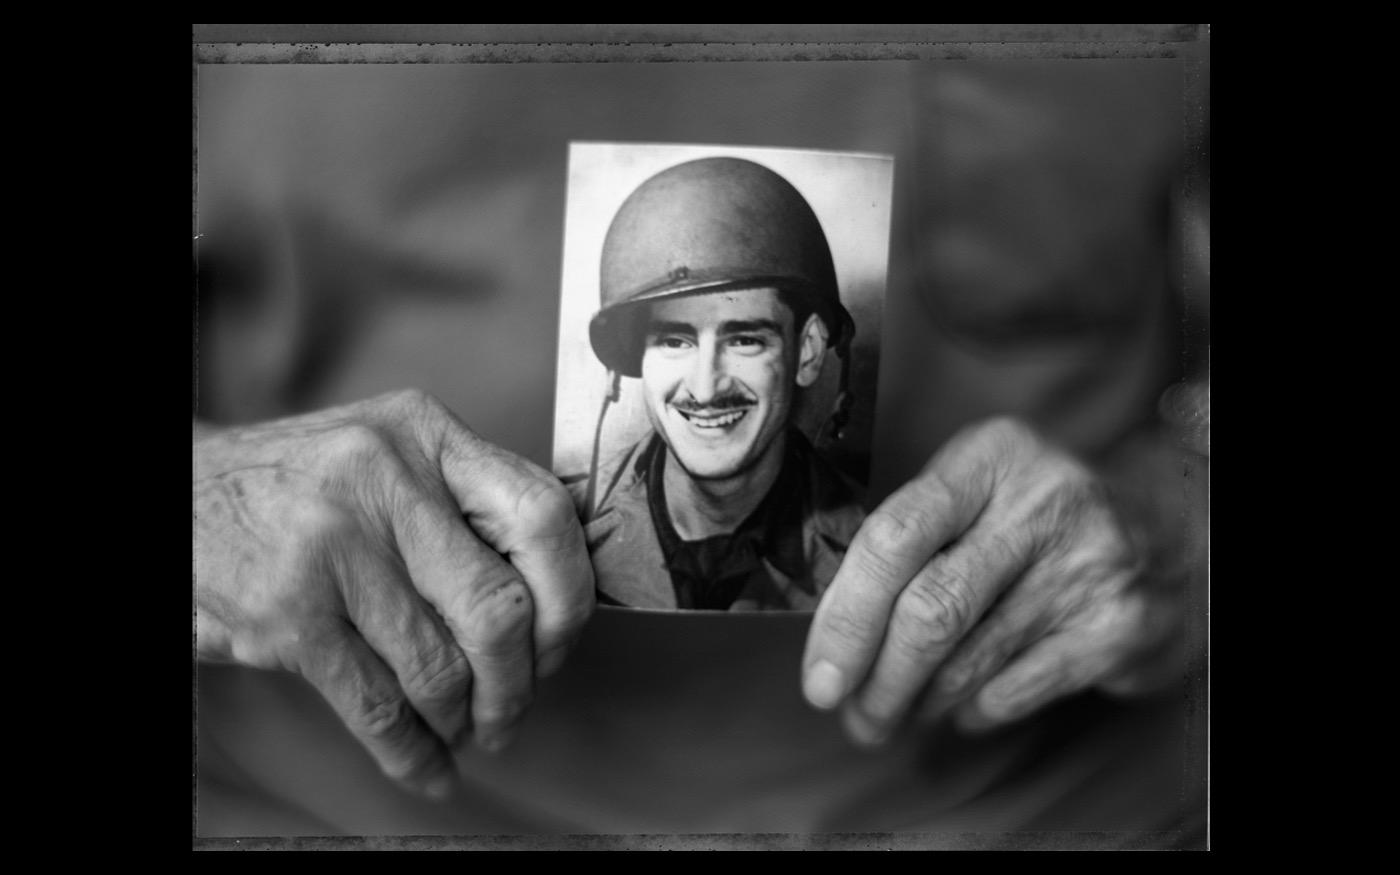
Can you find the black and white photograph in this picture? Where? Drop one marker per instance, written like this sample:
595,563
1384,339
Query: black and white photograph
717,369
701,437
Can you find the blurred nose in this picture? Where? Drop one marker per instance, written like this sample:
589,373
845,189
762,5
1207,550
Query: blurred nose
707,375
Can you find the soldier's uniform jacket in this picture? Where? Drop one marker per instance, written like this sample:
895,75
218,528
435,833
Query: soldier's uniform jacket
783,556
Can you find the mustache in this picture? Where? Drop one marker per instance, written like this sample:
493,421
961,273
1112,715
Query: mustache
729,401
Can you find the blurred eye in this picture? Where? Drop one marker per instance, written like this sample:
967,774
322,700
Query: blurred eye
670,341
748,343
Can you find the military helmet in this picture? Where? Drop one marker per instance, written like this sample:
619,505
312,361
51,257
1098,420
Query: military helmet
709,225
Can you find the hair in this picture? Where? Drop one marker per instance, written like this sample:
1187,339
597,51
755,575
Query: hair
801,307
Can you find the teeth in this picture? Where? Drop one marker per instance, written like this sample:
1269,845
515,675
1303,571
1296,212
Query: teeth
724,419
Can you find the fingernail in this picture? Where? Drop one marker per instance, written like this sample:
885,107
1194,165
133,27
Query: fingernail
440,788
550,661
824,685
862,730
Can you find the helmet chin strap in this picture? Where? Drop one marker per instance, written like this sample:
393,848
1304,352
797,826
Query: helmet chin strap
835,426
614,392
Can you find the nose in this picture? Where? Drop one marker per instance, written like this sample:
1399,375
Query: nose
706,377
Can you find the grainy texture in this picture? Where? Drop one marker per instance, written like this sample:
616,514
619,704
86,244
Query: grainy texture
604,52
691,33
1027,841
499,44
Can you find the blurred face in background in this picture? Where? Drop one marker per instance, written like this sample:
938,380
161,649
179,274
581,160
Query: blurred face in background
719,373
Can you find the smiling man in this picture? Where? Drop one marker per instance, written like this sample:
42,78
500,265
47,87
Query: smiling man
719,293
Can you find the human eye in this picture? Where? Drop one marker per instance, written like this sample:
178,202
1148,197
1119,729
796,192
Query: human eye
749,344
673,342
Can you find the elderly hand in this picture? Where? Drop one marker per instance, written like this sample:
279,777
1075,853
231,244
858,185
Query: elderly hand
995,582
416,575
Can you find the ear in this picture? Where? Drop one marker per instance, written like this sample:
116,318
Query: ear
811,351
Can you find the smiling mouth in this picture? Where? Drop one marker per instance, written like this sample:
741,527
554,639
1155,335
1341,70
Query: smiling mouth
719,419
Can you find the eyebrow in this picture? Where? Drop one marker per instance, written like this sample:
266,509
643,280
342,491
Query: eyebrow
750,326
658,327
733,326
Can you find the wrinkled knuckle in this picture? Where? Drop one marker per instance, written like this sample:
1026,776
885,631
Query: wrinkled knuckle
1081,554
499,619
417,406
356,443
877,566
888,536
443,677
385,720
884,530
1008,543
412,399
940,610
1009,433
545,506
1071,502
845,629
938,493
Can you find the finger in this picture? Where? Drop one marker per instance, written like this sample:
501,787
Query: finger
498,645
955,683
1005,631
1059,665
367,697
1016,620
525,513
409,636
1159,647
891,547
931,615
1085,604
485,606
1160,665
1096,622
